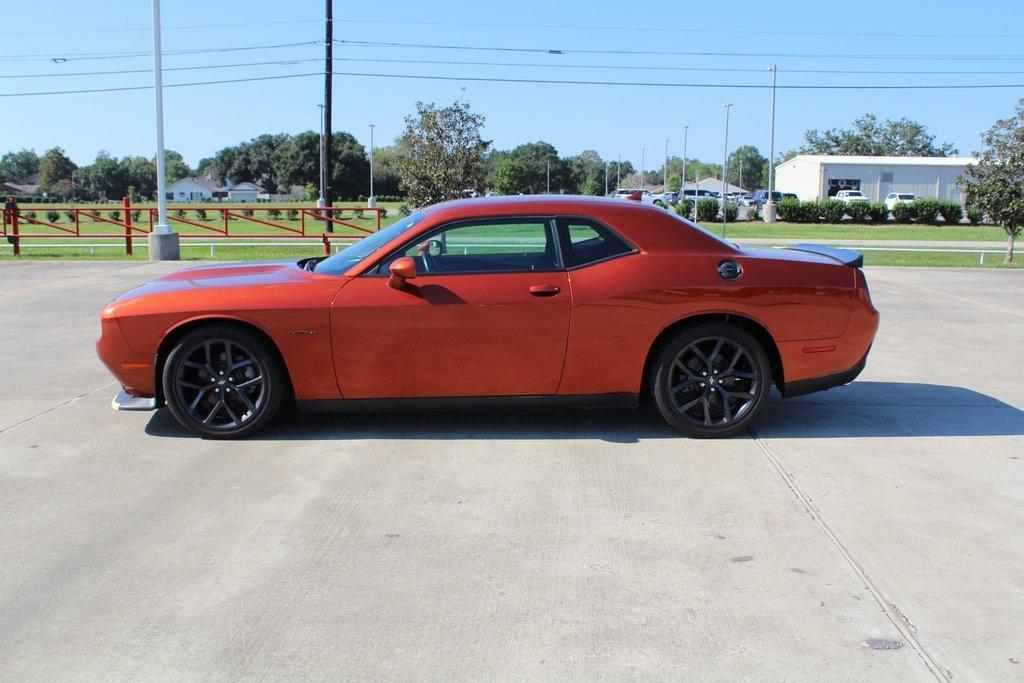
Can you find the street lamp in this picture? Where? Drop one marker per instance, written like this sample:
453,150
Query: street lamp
725,162
372,201
164,244
769,206
323,168
606,178
547,172
643,162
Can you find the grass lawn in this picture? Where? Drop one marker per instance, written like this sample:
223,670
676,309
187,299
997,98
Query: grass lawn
846,231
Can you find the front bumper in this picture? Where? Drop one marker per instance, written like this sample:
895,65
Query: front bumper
125,401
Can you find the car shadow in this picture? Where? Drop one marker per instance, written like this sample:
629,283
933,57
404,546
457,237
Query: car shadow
861,409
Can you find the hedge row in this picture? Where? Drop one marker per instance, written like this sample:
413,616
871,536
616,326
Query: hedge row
708,210
833,211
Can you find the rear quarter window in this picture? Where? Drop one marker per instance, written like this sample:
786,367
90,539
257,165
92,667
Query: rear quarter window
584,242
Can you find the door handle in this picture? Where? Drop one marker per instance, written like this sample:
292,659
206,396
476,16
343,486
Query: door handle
545,290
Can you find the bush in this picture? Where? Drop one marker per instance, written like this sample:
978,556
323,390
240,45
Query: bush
927,210
790,211
201,214
247,213
975,215
273,214
859,212
732,212
707,210
29,214
136,214
831,210
70,215
684,207
383,213
904,213
293,214
114,215
754,213
53,216
877,212
404,209
179,213
358,213
952,212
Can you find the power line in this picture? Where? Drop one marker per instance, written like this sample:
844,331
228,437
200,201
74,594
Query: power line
444,62
635,84
691,53
136,29
83,56
166,85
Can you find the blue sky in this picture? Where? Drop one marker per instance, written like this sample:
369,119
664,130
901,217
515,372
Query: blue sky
615,120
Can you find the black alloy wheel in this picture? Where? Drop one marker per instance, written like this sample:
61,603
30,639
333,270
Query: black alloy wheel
711,380
223,382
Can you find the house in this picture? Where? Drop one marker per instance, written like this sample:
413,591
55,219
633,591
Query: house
205,190
818,176
243,192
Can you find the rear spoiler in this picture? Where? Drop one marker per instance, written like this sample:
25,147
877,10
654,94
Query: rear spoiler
848,257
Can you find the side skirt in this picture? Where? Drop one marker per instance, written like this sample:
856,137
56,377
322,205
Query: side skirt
457,403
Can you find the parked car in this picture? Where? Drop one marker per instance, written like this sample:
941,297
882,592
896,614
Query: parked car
761,197
499,301
624,192
851,196
746,199
894,198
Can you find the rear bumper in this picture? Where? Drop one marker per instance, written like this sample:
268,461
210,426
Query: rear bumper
813,384
125,401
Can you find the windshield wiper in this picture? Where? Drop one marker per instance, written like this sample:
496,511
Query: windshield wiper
310,263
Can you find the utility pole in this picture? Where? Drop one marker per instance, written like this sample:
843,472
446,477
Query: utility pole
606,179
618,172
547,171
725,162
320,196
372,201
164,243
769,206
325,139
643,162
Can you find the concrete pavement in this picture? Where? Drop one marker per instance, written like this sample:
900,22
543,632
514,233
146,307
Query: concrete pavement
871,532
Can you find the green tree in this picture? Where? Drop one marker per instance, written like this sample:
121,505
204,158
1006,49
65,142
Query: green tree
386,178
510,176
16,166
350,169
748,168
538,159
996,183
446,153
175,166
869,137
587,171
54,167
251,161
142,175
297,161
106,177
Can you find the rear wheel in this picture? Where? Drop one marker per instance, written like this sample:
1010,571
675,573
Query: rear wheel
711,380
222,382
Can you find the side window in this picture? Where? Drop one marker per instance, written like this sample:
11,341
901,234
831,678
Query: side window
586,242
486,246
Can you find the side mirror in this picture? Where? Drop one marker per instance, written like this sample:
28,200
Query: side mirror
401,269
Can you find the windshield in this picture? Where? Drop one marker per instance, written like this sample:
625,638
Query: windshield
353,254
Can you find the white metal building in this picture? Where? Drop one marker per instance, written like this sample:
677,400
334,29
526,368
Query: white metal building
820,176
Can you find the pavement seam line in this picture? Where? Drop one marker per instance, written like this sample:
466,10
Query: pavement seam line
891,611
961,298
71,400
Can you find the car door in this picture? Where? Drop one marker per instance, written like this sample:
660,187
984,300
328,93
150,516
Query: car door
486,315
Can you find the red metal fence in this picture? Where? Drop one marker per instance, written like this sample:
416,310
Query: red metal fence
317,223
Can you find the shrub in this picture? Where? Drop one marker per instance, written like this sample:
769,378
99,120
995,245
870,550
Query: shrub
859,212
404,209
707,210
383,213
975,215
952,212
754,213
273,214
293,214
179,213
29,214
790,211
53,216
927,210
358,213
831,210
114,215
201,214
732,212
684,207
70,215
247,213
877,212
904,213
136,214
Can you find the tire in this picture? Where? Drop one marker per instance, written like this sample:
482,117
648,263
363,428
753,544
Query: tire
218,399
711,380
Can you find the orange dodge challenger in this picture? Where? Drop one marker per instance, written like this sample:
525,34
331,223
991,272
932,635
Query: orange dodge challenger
562,301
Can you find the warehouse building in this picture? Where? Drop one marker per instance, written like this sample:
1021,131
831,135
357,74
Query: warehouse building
813,176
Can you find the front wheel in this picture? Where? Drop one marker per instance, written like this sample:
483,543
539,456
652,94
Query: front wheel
711,380
222,382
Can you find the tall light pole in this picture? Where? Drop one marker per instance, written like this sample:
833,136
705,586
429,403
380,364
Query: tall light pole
372,201
769,206
725,162
664,173
643,162
606,178
547,172
325,139
164,244
618,172
323,181
682,175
